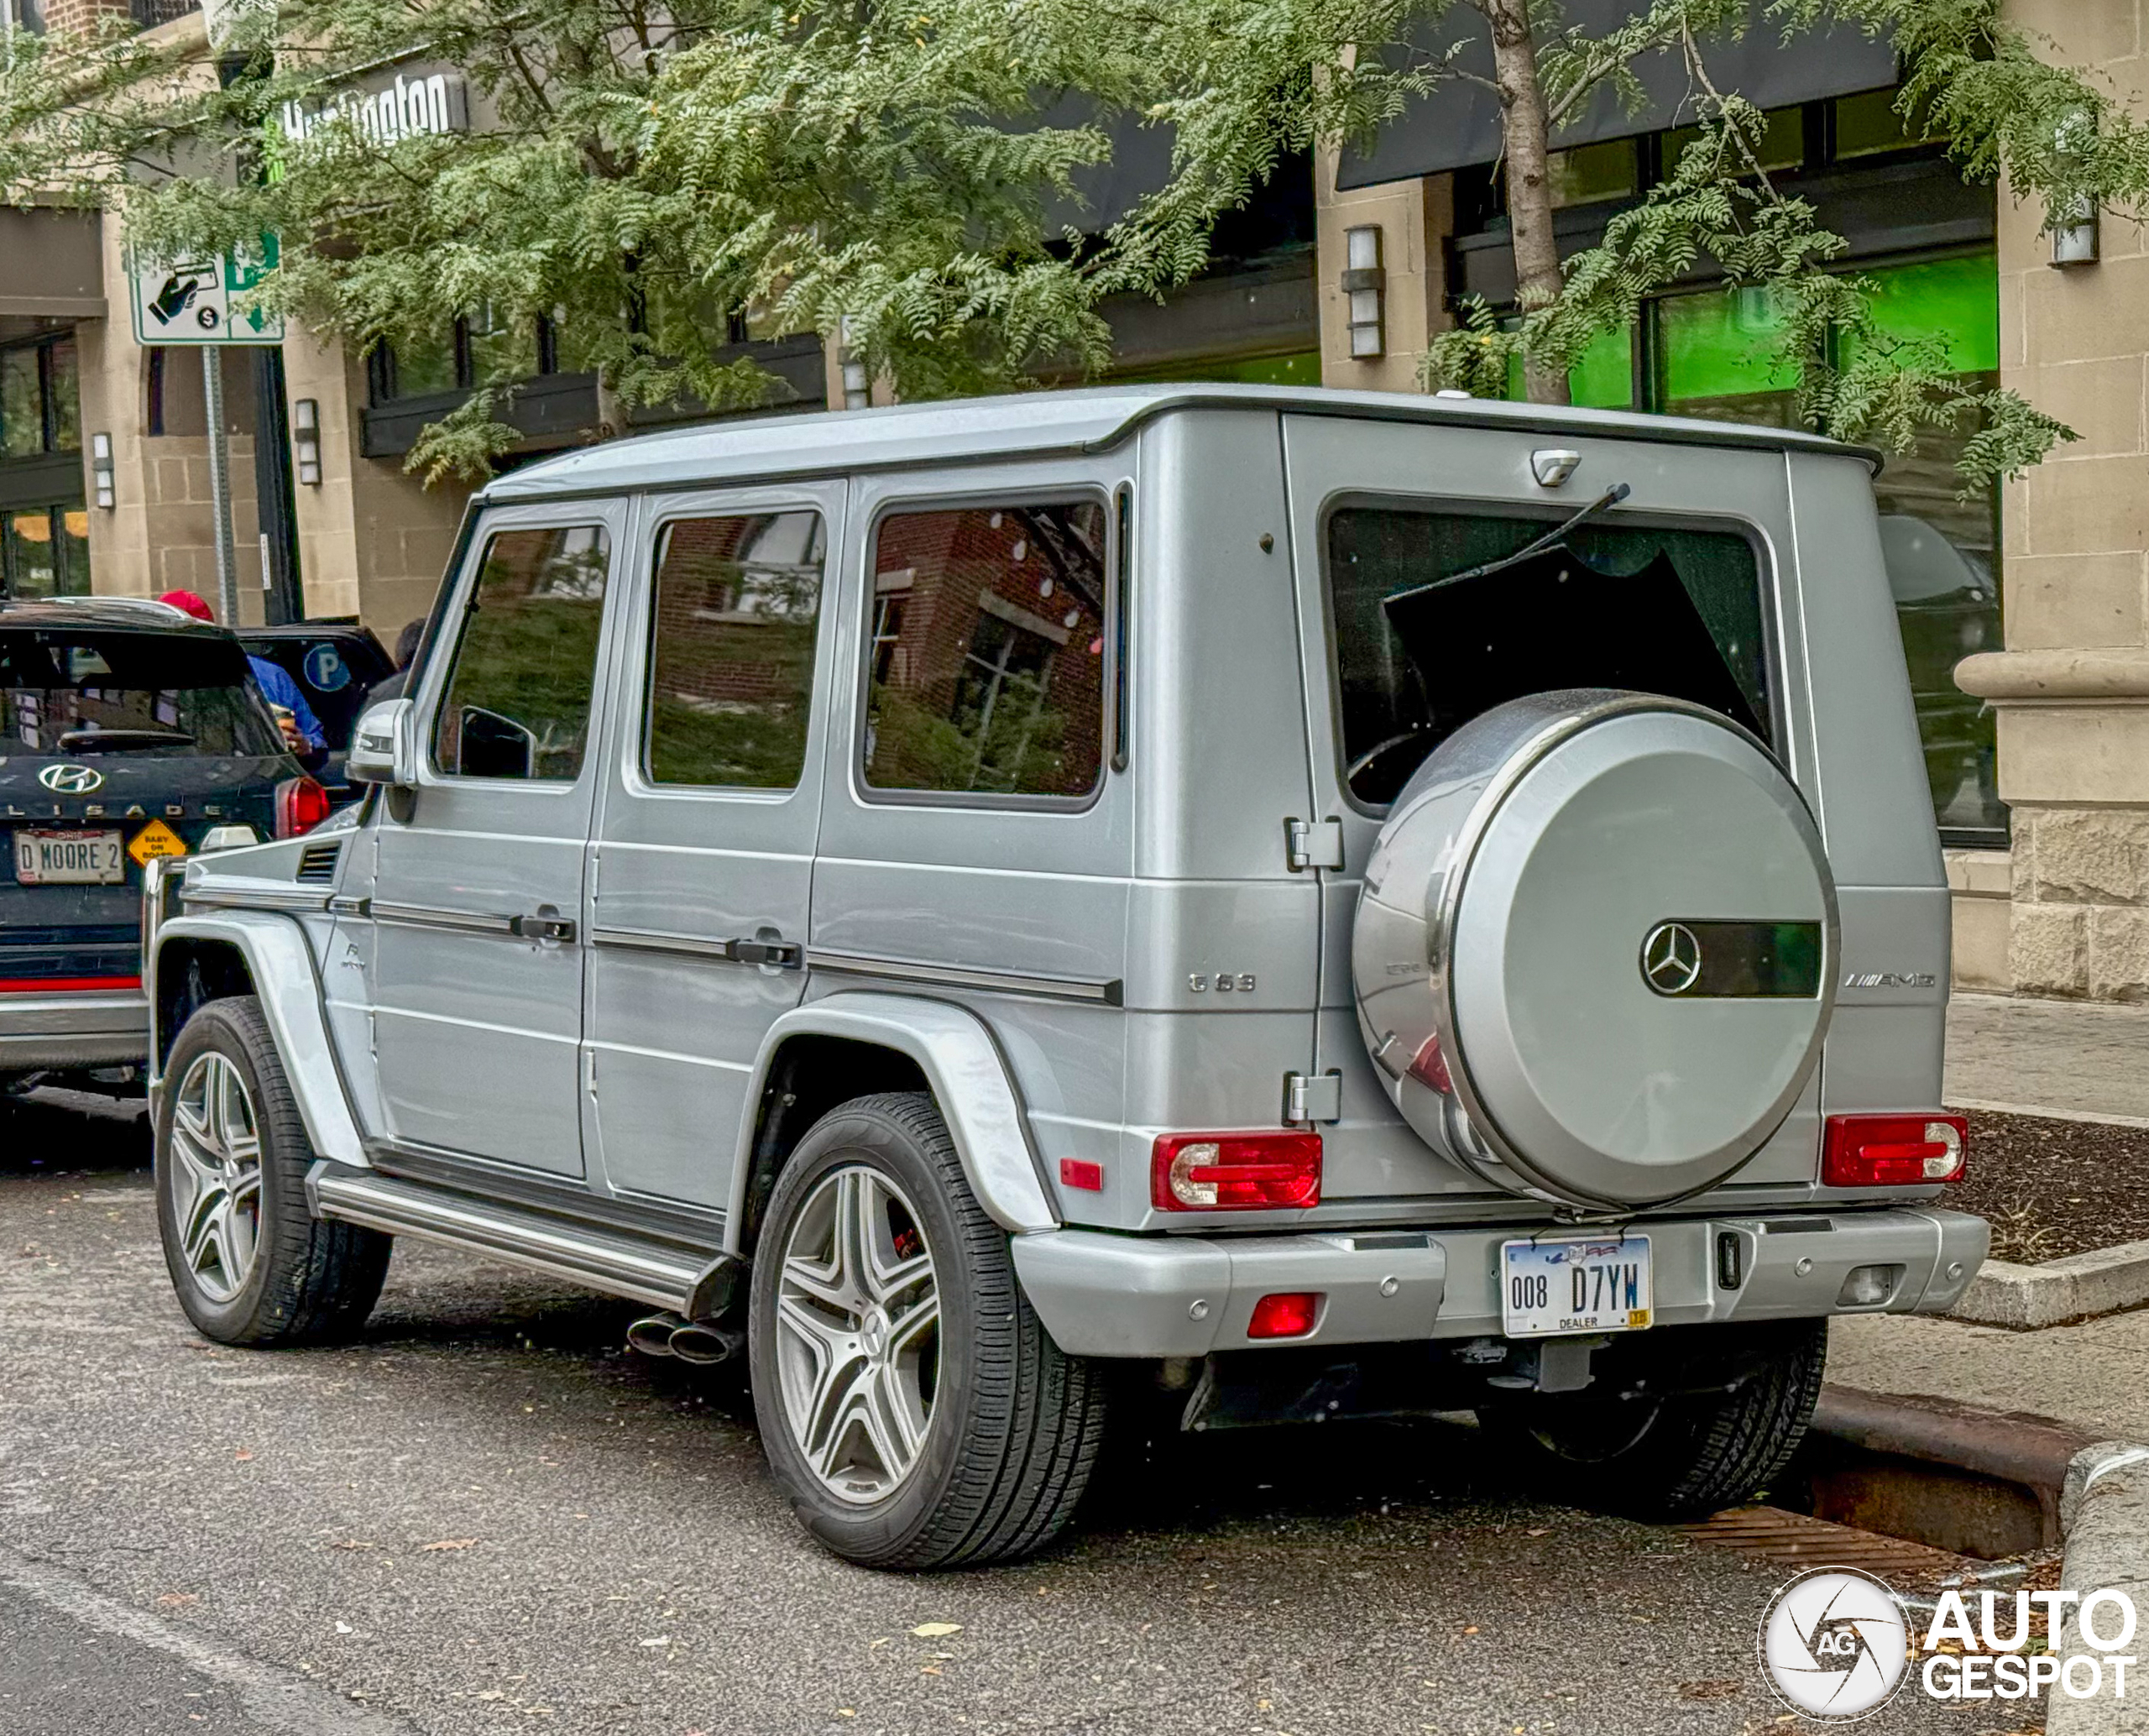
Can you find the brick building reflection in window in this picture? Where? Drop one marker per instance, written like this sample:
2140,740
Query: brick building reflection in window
987,654
731,650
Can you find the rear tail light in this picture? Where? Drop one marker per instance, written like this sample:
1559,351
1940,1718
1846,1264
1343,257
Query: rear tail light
1893,1151
1290,1315
1235,1172
302,805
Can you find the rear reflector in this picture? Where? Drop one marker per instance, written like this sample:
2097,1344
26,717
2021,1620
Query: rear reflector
1235,1172
64,985
1893,1151
1290,1315
1074,1173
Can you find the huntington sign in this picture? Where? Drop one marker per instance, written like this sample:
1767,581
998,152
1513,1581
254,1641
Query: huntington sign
436,102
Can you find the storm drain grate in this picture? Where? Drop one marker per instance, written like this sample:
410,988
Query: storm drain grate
1798,1539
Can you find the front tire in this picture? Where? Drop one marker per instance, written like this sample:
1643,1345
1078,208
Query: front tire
1676,1455
249,1263
911,1404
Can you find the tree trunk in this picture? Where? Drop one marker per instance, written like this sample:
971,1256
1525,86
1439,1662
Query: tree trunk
1530,179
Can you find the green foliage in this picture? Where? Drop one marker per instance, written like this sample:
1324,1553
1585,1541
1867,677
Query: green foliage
896,177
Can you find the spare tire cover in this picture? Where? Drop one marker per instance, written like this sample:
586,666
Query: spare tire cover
1596,955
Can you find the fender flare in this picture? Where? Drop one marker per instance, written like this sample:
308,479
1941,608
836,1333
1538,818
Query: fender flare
289,987
969,1080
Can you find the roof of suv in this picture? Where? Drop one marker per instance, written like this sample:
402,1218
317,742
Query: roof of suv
1032,424
134,614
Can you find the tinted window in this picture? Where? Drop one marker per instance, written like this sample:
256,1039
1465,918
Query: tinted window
985,669
85,693
731,650
517,703
1434,626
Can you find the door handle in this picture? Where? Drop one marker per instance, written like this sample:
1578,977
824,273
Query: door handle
543,928
784,955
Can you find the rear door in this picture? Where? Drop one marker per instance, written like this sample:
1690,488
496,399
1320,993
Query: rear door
478,907
1379,507
711,805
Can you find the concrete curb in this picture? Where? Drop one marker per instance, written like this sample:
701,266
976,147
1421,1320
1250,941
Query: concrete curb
2078,1287
2105,1509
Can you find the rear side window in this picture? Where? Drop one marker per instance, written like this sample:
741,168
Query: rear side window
986,660
1434,625
518,696
86,693
731,650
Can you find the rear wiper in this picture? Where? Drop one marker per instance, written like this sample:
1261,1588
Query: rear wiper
1603,503
90,741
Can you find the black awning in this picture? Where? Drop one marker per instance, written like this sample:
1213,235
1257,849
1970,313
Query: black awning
1459,124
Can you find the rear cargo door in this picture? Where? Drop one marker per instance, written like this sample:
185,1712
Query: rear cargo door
1361,493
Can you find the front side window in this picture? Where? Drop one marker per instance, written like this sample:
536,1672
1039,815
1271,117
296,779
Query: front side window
985,657
518,699
1434,625
731,650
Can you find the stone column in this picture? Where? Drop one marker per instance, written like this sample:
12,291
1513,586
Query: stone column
2072,687
1415,218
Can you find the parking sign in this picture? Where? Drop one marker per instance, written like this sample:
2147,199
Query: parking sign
190,301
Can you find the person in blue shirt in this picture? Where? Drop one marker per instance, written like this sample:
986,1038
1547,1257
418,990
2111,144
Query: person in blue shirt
303,732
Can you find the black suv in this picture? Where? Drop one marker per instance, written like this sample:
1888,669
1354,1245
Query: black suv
128,731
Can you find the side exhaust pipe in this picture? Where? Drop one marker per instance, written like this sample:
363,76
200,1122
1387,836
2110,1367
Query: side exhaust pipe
652,1335
696,1341
702,1344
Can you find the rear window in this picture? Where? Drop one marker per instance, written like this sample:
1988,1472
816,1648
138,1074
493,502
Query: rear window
1432,629
84,693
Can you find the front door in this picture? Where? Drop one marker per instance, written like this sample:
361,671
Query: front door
711,809
477,907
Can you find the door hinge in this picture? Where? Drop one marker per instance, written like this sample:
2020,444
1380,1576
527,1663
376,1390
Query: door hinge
1312,844
1313,1096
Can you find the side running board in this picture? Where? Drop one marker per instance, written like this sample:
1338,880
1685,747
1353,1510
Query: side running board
689,1283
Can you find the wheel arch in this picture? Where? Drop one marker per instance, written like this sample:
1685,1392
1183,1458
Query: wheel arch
200,959
853,1045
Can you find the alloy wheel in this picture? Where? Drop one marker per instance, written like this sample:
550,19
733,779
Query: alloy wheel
216,1176
858,1334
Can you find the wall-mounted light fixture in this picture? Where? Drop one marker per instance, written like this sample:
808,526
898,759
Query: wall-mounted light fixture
101,473
2075,243
857,384
1364,281
305,440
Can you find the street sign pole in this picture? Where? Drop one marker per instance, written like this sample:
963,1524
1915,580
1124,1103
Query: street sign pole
219,485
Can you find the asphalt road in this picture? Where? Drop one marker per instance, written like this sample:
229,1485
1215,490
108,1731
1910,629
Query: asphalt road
488,1517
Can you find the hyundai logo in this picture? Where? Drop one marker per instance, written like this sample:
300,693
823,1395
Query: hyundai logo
70,780
1671,959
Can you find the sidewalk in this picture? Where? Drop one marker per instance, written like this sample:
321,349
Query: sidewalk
2072,1060
2089,1376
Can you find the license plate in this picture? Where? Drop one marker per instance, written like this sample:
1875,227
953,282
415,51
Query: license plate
1548,1288
77,858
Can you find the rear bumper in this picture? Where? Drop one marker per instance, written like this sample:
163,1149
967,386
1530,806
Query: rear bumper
98,1027
1101,1294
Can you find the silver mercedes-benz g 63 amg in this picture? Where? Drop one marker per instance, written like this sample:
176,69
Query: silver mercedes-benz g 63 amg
1311,903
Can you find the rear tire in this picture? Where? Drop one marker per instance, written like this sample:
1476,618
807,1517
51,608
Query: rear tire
911,1404
251,1265
1677,1457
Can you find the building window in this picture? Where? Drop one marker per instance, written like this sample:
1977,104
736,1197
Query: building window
985,663
40,407
481,349
45,552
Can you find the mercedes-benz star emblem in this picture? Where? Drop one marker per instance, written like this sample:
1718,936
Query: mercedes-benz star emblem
70,780
1671,959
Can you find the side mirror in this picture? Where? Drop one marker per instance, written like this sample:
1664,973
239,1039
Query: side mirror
382,750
